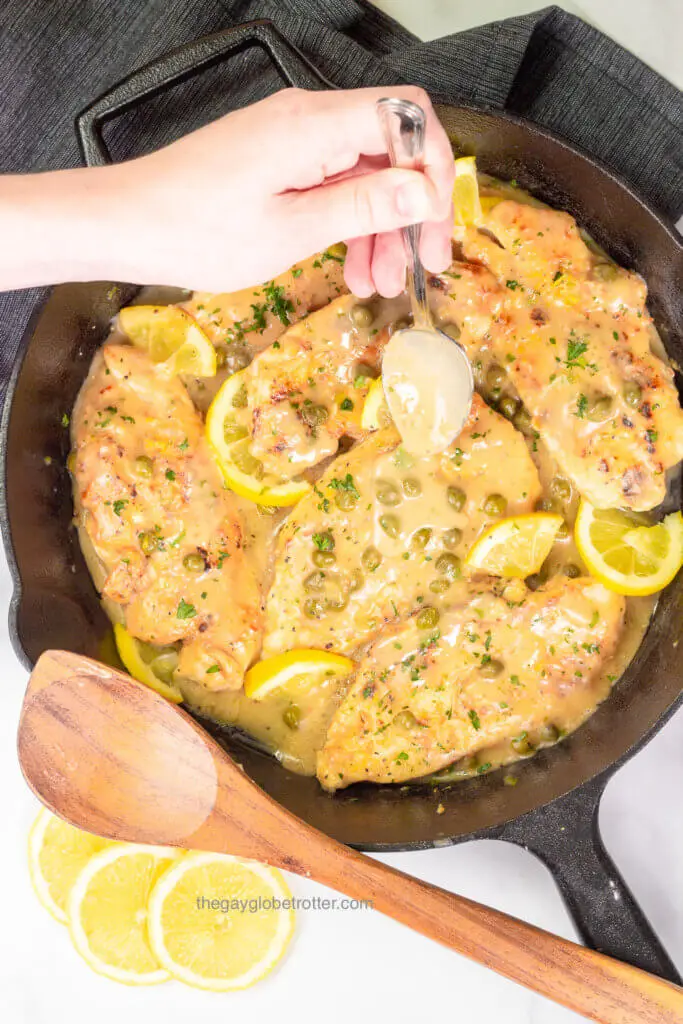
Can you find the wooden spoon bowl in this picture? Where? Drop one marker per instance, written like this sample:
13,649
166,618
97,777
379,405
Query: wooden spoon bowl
111,756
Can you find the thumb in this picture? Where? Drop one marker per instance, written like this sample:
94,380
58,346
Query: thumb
366,204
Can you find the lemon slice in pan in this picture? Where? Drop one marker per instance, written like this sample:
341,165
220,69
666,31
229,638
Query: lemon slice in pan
153,668
170,336
466,203
276,672
515,547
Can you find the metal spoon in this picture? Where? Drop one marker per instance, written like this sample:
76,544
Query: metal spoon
427,376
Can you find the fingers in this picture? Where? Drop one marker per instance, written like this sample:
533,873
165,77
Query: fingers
389,264
436,244
358,266
368,204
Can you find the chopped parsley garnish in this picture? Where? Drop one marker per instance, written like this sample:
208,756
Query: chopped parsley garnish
575,351
280,306
484,768
184,445
323,541
185,610
127,419
581,406
276,344
297,272
346,484
368,692
402,756
474,719
346,405
65,420
595,618
170,474
222,555
512,285
259,318
324,503
119,505
557,276
213,668
615,335
651,435
327,255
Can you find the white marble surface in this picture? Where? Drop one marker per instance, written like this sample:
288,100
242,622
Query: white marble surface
359,966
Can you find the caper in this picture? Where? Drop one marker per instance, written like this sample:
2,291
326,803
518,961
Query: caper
337,250
563,531
314,581
491,669
149,541
598,408
361,316
314,608
452,537
144,465
412,487
421,538
632,394
313,415
495,505
495,376
448,565
233,431
345,500
605,272
521,745
245,461
336,600
522,420
324,559
571,570
508,406
238,360
452,330
71,462
406,719
456,498
550,733
428,618
239,399
560,488
387,493
291,716
164,664
439,586
194,562
221,357
547,505
390,524
536,580
371,559
356,581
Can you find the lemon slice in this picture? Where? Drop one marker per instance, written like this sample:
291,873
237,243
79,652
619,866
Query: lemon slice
276,672
149,666
626,557
170,336
108,911
466,204
220,949
515,547
57,853
229,442
375,413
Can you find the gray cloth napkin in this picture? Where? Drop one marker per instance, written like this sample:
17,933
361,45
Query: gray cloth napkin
547,66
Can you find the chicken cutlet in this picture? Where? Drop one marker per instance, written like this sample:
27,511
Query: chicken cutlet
381,531
165,530
421,699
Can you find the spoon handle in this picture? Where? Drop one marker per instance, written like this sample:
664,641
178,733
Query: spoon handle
404,125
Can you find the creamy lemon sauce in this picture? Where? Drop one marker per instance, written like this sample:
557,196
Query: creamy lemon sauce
400,526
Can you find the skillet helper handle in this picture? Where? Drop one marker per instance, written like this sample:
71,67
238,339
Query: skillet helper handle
565,836
184,63
588,982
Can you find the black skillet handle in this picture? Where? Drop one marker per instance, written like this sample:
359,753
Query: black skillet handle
565,836
183,63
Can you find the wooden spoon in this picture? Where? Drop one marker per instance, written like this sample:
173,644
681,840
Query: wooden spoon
111,756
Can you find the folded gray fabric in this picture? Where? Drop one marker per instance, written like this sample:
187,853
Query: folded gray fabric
547,66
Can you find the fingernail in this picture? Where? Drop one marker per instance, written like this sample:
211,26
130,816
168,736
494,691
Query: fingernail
413,199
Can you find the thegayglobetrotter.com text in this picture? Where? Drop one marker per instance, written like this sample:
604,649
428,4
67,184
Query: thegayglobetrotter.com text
260,903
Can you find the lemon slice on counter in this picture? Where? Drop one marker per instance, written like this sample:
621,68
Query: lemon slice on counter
375,413
276,672
627,557
57,853
219,949
466,203
108,911
229,442
170,336
152,667
515,547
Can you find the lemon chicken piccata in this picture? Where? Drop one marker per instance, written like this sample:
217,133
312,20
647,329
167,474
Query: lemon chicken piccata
272,554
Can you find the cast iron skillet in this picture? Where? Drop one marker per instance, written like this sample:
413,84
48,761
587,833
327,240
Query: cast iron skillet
553,809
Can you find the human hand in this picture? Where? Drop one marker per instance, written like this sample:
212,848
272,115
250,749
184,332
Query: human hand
240,200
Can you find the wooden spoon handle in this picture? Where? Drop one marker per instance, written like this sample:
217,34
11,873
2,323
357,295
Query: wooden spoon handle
600,988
